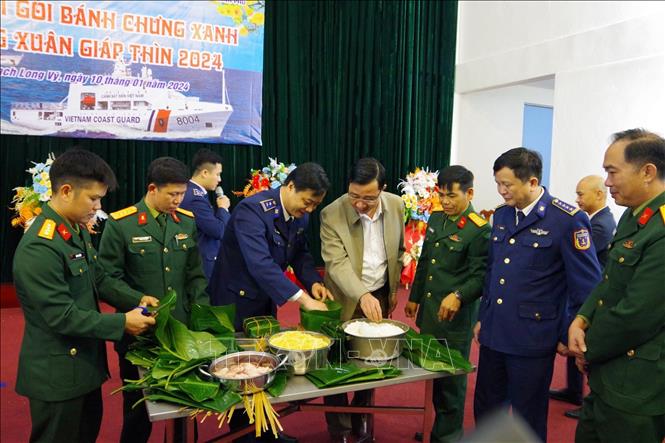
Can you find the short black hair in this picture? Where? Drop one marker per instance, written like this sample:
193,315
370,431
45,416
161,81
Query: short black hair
167,170
643,147
524,163
78,166
309,176
455,174
203,157
366,170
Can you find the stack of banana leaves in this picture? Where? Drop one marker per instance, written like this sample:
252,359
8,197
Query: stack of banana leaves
171,356
347,373
427,352
333,329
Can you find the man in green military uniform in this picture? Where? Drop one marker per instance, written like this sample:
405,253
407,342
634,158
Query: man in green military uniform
448,282
619,333
62,363
152,247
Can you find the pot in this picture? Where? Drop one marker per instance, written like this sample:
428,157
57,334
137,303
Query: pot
302,361
248,385
375,348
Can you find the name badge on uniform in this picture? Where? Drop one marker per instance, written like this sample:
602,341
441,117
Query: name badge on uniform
146,239
77,256
181,237
539,231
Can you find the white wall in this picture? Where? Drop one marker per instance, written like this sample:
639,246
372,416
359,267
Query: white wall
608,61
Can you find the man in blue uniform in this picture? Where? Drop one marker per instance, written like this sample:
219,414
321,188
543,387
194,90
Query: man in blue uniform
266,233
592,199
210,223
541,267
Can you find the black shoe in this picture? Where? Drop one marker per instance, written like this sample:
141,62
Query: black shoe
418,436
281,438
567,396
573,413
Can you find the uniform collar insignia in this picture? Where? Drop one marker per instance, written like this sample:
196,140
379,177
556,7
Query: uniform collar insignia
629,244
539,231
143,218
64,232
198,192
462,222
646,215
175,217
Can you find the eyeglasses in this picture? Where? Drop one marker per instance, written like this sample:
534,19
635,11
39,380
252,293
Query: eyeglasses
367,199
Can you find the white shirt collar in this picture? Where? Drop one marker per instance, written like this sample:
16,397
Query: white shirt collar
593,215
200,187
527,210
377,214
286,215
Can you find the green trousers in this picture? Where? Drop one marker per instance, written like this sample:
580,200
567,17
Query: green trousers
73,421
601,423
448,397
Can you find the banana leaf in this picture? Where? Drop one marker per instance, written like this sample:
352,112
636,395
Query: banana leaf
197,389
427,352
349,373
165,304
261,326
220,403
218,320
333,329
313,320
175,338
279,384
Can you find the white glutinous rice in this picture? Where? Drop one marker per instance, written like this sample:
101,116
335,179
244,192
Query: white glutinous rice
372,330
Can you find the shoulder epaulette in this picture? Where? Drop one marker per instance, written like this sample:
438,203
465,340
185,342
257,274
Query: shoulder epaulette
186,212
47,230
268,205
117,215
565,207
662,213
477,219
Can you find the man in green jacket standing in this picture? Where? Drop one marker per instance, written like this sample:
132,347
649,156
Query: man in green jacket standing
619,333
59,283
152,247
448,283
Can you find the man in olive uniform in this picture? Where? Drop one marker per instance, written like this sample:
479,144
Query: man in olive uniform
449,281
152,247
619,333
62,363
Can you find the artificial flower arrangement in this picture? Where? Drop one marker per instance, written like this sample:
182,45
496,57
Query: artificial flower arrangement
271,176
28,200
421,198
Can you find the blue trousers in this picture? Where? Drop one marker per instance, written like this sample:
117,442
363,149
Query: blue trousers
519,382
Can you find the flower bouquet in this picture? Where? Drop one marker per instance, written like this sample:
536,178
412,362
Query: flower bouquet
420,196
271,176
28,200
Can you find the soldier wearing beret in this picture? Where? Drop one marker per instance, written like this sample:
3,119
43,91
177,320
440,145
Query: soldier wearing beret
619,333
152,247
541,267
447,285
62,363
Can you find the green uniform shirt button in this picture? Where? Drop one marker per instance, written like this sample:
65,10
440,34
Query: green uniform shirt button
73,352
167,269
600,302
80,270
184,246
166,250
631,353
499,301
621,259
506,260
429,294
142,251
429,277
433,261
511,241
606,277
502,281
169,288
436,245
94,257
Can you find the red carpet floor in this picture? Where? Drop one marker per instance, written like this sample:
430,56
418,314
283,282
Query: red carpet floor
308,427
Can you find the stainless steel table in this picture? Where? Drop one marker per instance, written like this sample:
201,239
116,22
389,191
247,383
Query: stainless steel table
299,391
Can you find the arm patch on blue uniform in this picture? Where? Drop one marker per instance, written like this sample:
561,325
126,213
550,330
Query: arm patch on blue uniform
565,207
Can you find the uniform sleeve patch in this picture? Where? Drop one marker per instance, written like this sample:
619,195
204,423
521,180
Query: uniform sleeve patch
565,207
477,219
268,205
186,212
47,230
582,239
117,215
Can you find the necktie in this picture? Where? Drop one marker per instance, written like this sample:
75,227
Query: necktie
520,217
161,220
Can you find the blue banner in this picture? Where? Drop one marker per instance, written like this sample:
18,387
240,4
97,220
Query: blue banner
150,70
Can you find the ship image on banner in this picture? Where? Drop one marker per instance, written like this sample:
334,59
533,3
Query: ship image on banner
126,106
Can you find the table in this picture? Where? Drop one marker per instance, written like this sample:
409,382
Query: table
299,391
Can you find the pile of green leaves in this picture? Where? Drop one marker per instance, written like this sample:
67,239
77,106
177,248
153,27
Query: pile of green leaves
172,355
333,329
427,352
347,373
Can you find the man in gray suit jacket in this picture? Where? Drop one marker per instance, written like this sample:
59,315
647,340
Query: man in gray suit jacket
362,238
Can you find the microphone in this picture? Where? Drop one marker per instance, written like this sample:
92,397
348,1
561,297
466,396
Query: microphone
219,192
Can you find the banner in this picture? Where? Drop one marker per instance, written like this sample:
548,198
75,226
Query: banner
151,70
